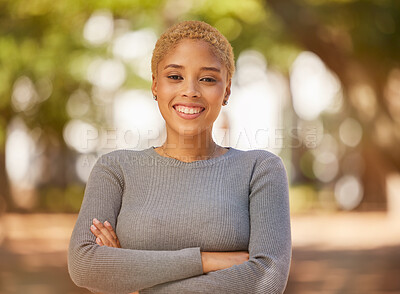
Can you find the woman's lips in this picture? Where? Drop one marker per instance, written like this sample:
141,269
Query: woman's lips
180,111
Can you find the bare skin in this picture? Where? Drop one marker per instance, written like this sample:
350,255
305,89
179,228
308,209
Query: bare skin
214,261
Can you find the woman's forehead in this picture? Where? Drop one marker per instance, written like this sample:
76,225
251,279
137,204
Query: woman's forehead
192,52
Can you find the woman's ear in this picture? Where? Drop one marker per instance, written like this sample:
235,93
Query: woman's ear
228,90
154,85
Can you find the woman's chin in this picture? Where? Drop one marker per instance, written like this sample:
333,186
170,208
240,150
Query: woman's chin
189,131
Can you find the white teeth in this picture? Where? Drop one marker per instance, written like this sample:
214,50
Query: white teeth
188,110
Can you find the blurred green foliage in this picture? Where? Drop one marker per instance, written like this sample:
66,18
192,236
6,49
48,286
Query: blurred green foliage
58,199
43,40
303,198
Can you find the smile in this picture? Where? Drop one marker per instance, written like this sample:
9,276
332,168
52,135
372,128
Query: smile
188,112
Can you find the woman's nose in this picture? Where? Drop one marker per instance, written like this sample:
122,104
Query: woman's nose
190,89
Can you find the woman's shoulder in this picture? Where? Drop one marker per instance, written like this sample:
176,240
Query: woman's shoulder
258,155
123,152
261,161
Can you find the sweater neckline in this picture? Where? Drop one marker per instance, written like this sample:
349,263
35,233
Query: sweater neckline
198,163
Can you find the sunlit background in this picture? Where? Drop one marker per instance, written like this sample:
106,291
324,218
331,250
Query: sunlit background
317,82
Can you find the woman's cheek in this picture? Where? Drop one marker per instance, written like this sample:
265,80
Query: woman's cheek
168,90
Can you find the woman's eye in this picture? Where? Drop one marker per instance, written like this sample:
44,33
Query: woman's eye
208,80
175,77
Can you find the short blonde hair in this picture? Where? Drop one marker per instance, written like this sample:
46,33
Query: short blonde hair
197,30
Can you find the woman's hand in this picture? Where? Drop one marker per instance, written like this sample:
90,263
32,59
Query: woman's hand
213,261
105,234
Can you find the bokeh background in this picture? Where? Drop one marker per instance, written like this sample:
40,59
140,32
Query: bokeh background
317,82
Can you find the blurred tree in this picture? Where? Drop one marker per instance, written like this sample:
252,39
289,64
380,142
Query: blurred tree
360,42
43,49
44,59
40,41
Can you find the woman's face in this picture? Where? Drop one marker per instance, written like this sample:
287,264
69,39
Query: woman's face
191,85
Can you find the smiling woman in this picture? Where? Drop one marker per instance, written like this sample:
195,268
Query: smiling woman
189,216
190,86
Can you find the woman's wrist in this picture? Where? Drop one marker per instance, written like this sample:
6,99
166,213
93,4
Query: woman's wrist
205,260
214,261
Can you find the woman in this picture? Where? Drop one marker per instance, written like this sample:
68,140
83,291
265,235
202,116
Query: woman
189,216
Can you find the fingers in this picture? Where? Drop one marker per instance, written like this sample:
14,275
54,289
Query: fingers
99,236
104,231
98,241
105,234
111,230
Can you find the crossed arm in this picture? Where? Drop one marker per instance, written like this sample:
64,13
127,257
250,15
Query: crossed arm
211,261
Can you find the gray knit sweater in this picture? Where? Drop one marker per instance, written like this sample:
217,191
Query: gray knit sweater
166,212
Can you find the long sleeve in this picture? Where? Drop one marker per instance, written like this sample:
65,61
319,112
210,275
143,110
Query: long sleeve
117,270
269,246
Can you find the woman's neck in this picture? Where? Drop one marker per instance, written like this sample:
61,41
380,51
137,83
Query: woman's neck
190,148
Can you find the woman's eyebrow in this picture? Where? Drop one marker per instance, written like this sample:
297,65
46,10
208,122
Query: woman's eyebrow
211,68
173,66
